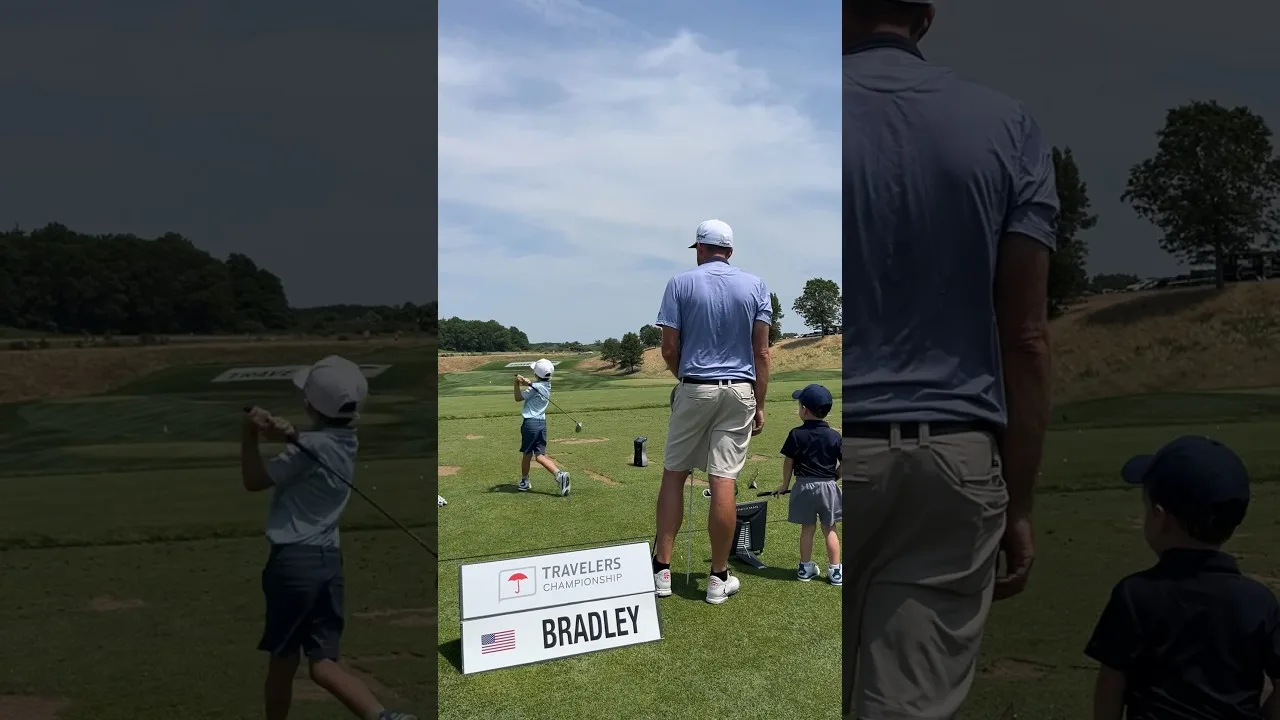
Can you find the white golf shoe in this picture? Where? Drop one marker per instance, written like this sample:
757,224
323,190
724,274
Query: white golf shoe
562,479
525,485
807,571
719,590
835,573
662,583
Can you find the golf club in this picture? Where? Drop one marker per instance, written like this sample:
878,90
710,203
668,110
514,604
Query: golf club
577,426
763,494
293,440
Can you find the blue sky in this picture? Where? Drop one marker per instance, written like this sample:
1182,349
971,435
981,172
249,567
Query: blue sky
581,144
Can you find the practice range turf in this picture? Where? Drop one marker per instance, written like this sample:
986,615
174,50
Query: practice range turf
130,555
773,651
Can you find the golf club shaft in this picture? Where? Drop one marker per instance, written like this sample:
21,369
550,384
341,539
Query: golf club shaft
770,492
316,459
553,403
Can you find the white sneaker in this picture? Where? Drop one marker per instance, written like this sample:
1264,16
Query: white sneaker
807,571
719,590
562,479
525,485
835,573
662,583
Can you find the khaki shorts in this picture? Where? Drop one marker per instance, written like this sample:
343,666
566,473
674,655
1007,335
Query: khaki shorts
926,519
710,428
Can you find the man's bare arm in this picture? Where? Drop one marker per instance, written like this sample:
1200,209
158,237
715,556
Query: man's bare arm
1021,301
1108,694
253,471
760,349
671,350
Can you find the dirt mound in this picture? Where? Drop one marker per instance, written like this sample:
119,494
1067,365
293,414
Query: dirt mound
602,478
475,437
1015,669
579,441
31,707
1163,340
62,372
107,603
446,470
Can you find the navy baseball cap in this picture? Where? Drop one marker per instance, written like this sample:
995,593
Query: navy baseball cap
1195,478
813,396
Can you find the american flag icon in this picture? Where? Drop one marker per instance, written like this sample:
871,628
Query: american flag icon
497,642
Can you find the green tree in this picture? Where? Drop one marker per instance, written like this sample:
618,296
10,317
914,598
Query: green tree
1068,279
1116,281
610,351
775,328
630,352
651,336
1212,185
819,305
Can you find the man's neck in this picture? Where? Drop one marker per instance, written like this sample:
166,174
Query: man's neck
856,35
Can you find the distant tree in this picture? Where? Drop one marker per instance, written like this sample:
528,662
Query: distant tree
519,341
819,305
651,336
1068,279
610,351
630,352
1102,282
775,329
1212,185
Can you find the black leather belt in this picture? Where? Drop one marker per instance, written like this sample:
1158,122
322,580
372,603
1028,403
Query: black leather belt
911,430
705,381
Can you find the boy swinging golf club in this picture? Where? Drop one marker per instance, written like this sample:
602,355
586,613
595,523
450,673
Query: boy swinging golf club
303,579
536,396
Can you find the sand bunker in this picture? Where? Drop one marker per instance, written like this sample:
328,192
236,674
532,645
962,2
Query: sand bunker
475,437
31,707
448,470
580,441
1015,669
760,457
395,614
106,603
601,478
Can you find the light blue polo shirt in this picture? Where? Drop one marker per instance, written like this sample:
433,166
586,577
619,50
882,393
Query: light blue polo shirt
715,307
307,502
536,399
936,169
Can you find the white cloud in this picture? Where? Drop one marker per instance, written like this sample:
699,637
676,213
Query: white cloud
577,174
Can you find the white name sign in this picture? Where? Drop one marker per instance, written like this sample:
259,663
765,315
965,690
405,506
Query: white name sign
507,586
531,609
502,641
529,363
283,372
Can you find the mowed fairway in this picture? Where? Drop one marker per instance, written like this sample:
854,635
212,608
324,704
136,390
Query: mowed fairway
130,555
1089,536
772,651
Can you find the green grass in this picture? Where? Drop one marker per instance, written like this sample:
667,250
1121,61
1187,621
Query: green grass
1088,538
778,642
136,496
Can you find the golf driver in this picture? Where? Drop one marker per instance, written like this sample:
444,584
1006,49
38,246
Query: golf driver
293,440
770,492
577,426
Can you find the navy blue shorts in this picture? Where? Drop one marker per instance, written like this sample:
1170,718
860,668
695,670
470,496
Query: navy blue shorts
303,586
533,436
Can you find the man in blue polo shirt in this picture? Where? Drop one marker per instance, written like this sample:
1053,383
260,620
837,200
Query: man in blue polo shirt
949,211
715,323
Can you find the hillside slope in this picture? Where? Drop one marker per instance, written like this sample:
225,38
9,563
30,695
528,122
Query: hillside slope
819,353
1195,339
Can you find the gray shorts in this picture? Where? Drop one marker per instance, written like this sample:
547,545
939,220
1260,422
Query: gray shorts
815,498
303,586
533,437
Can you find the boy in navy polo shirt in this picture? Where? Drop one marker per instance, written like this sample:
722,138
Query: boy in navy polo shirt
1191,636
813,453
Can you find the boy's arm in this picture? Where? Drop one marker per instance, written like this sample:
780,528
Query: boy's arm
787,467
516,390
1108,694
253,471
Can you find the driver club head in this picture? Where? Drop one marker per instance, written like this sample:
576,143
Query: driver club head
577,427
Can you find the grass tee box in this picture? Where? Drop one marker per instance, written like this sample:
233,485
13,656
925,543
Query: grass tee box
525,610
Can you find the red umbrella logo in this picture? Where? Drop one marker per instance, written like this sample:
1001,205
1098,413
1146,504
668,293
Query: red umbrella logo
516,578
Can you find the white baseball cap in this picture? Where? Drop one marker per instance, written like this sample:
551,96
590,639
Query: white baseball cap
714,232
335,387
543,368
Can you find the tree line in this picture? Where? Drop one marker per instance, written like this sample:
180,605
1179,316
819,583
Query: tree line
56,280
1211,188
